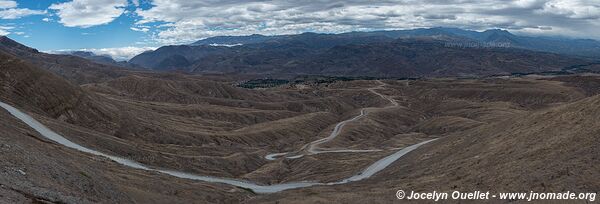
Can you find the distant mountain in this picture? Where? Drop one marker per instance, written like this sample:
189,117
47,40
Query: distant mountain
406,53
163,57
277,47
560,45
76,69
233,40
400,58
102,59
497,37
93,57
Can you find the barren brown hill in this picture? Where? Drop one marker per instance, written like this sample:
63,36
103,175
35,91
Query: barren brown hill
75,69
45,93
489,128
37,170
552,149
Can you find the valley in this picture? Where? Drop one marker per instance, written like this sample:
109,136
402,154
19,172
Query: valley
203,125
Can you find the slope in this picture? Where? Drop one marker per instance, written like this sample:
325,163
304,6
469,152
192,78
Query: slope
547,150
75,69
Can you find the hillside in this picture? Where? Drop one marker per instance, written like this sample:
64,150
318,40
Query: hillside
45,93
544,150
559,45
515,133
75,69
436,52
36,170
165,58
432,58
208,127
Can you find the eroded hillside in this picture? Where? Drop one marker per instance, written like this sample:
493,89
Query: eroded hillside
208,126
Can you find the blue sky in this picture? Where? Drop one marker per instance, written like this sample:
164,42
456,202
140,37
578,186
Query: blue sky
123,28
53,35
46,32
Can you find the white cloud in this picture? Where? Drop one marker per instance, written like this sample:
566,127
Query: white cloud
46,19
226,45
15,13
119,53
88,13
9,10
5,30
572,8
186,21
141,29
5,4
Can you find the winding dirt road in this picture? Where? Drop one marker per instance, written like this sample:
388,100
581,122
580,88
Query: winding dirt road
313,147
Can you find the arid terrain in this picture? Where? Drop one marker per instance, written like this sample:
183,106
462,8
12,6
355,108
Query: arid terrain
299,102
493,133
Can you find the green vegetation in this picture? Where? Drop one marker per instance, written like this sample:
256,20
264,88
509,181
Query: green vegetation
306,79
263,83
247,189
85,174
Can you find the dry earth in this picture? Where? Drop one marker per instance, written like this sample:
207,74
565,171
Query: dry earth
496,134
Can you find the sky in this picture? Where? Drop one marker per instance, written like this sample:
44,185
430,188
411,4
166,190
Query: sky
124,28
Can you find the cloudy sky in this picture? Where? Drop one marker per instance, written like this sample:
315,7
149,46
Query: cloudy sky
123,28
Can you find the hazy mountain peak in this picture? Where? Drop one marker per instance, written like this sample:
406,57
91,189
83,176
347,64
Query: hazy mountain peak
498,32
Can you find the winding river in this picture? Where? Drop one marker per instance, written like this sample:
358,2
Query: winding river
255,187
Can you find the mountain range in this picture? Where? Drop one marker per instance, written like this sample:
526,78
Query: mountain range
430,52
559,45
